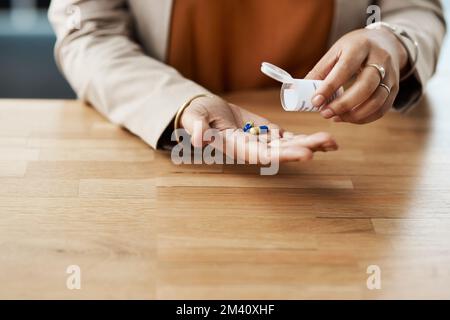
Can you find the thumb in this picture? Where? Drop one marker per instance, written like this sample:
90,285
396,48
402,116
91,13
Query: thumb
195,123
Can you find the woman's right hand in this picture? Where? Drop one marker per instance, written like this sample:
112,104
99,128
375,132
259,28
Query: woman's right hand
228,119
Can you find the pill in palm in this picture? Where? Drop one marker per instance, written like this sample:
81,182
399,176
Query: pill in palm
248,126
254,131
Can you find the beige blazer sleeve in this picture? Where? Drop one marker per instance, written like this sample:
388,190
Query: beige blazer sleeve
424,21
109,70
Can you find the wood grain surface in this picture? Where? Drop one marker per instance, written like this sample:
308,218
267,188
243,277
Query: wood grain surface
77,190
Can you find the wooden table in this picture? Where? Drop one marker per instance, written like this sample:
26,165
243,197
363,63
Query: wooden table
77,190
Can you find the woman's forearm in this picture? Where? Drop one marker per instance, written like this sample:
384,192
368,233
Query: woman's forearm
109,70
423,20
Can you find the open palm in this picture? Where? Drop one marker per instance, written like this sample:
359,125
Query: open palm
215,113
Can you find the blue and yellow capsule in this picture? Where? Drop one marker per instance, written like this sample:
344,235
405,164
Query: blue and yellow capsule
248,126
263,129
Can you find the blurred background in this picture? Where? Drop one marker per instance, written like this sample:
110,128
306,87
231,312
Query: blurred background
26,52
27,66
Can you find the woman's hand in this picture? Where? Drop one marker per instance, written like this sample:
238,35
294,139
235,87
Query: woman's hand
365,101
228,119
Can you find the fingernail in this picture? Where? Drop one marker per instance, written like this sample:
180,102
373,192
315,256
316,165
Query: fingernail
318,101
337,119
327,113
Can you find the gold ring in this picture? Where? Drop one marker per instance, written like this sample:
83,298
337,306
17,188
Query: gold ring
385,86
381,70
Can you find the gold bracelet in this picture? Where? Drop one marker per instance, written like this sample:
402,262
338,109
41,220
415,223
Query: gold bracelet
176,123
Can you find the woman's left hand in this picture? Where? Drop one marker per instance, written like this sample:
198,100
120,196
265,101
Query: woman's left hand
365,101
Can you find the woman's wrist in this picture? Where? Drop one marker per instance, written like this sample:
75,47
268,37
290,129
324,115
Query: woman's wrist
177,122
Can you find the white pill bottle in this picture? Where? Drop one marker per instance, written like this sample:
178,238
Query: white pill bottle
296,94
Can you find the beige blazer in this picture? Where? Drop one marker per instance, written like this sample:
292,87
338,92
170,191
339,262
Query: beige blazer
113,51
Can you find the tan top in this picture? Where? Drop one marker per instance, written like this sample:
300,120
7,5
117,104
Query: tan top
220,44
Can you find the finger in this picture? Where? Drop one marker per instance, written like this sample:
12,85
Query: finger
295,154
266,155
250,150
321,141
383,110
373,104
363,88
337,119
349,64
195,124
366,109
288,135
324,66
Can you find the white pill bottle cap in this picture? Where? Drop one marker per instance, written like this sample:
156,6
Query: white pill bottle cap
296,94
